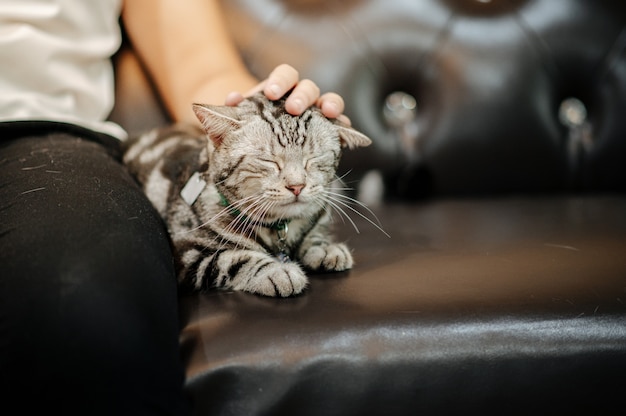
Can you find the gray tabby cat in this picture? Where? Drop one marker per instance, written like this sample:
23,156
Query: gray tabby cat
241,206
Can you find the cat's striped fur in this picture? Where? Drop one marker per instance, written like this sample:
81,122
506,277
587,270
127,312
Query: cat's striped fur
266,206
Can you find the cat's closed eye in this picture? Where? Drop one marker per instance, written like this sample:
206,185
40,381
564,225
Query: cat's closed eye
321,162
271,163
260,213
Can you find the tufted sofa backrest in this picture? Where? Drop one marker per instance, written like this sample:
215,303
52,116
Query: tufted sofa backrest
461,96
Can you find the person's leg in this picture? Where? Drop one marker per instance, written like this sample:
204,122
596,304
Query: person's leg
88,303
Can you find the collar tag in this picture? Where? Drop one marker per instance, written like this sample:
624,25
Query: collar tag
193,188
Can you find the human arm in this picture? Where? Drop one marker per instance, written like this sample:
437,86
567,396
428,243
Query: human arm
191,57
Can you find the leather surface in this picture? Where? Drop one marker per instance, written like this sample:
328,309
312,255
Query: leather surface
514,304
488,79
497,305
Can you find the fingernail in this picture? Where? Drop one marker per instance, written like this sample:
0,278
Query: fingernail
274,90
330,109
297,105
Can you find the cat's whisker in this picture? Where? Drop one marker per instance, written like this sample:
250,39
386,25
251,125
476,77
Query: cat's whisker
345,189
258,210
340,178
237,228
345,185
215,218
246,233
325,205
354,201
235,225
342,214
245,222
335,200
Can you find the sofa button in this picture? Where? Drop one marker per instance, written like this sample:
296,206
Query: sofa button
579,141
572,113
400,113
400,109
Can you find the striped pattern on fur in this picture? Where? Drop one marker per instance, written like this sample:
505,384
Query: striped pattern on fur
263,216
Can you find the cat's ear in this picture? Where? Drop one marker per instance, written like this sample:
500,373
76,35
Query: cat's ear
217,120
351,138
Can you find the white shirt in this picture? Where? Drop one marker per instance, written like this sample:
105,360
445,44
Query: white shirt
55,61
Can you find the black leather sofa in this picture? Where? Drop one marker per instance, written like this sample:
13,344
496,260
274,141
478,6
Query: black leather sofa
499,133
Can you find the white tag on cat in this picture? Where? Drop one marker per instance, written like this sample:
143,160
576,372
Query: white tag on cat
192,189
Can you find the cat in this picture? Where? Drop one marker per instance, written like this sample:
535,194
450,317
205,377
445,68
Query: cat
249,208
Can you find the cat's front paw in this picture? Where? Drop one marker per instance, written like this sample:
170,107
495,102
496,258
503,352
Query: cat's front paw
278,280
331,257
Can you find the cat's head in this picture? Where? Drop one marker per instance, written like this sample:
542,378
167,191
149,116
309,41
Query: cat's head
272,165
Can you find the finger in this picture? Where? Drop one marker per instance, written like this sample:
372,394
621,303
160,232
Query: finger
233,98
344,120
304,95
331,104
257,88
283,78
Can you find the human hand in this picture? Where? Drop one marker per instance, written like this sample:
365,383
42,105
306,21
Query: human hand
305,94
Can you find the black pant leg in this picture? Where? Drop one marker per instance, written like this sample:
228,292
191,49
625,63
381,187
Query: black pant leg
88,302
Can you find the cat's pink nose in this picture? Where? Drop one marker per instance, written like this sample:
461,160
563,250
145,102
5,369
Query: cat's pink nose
295,189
